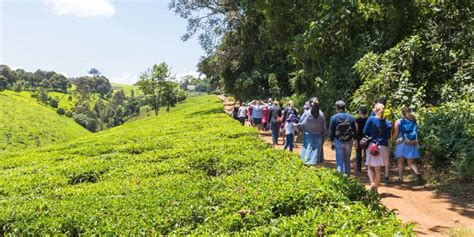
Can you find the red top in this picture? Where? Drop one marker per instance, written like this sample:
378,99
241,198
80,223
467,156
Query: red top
266,115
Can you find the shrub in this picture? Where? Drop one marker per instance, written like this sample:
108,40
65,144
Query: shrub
61,111
447,137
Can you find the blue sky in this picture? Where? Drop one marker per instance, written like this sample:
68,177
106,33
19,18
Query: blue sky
121,38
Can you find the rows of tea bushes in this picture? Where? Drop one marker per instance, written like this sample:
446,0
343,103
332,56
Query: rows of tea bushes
24,123
191,171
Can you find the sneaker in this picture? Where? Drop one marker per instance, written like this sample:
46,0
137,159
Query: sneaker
386,180
420,179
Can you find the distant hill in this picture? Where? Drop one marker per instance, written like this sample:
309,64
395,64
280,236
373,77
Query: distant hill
126,88
24,123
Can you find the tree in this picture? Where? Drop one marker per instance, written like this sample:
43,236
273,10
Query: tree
152,83
119,97
59,82
94,72
169,96
3,83
10,75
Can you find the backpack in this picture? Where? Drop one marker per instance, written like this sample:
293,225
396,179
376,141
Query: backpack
409,131
344,131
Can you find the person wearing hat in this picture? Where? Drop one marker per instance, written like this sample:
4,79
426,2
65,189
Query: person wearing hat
342,132
290,125
313,126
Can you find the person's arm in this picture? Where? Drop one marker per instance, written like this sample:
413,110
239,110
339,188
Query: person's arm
389,127
354,128
332,128
395,130
367,127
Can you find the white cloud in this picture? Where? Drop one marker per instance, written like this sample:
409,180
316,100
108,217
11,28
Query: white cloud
125,78
180,75
82,8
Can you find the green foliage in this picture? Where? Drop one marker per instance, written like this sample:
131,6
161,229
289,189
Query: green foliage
447,138
24,124
193,171
160,91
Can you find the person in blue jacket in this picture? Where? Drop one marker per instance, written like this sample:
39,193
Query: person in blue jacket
342,132
378,128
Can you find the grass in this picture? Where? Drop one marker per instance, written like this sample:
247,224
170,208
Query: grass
126,88
24,123
191,171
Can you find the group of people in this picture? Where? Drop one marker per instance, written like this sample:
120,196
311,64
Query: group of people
371,134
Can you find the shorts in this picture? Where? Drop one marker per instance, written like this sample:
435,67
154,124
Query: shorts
257,121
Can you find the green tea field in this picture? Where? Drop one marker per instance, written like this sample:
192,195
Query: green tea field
24,123
127,89
191,171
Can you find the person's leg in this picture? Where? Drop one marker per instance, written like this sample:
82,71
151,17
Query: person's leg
358,159
412,165
321,157
401,161
339,156
347,157
371,174
386,178
377,177
275,132
290,141
286,144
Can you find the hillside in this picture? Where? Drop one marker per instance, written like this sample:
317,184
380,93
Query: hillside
127,89
24,123
191,171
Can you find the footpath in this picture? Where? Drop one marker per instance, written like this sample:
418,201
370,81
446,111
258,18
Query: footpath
434,214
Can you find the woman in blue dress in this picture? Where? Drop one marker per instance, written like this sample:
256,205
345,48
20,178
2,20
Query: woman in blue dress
407,144
313,126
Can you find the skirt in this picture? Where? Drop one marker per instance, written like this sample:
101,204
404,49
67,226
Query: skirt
407,151
312,148
380,160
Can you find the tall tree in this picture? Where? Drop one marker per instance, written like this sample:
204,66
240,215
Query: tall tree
152,82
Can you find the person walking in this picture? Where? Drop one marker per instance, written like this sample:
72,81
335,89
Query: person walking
290,125
235,110
275,120
407,144
257,113
390,116
313,125
378,129
265,117
242,114
290,109
360,124
342,131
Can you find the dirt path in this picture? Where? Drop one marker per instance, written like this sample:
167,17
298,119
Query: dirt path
433,214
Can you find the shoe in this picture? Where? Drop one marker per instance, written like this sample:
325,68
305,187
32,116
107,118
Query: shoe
386,180
399,181
420,179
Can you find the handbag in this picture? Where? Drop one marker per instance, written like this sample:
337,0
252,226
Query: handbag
374,149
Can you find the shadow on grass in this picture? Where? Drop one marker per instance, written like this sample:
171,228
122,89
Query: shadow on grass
205,112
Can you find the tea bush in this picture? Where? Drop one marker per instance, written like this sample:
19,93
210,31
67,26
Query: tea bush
25,124
191,171
447,134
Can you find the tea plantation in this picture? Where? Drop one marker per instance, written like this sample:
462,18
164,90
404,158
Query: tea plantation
191,171
24,123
